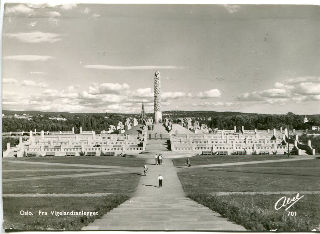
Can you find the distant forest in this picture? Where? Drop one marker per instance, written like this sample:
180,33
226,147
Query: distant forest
102,121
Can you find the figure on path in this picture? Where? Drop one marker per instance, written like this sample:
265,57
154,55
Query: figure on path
160,179
145,169
160,159
156,159
188,162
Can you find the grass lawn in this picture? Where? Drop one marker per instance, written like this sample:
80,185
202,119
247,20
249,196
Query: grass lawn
14,221
257,213
117,183
251,210
216,159
120,185
7,165
94,160
24,174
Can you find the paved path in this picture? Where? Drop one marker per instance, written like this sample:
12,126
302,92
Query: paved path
166,208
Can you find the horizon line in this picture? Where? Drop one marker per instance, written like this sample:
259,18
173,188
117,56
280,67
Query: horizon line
153,113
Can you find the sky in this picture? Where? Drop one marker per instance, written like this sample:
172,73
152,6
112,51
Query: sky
102,58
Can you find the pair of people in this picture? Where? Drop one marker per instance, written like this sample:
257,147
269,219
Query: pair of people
158,159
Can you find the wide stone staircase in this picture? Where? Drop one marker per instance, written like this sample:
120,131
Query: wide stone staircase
157,145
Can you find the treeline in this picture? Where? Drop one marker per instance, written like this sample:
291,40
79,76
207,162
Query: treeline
12,141
102,121
96,122
227,120
263,122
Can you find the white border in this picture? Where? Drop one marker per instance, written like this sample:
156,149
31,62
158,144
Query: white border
180,2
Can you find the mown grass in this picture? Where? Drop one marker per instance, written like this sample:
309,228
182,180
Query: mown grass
121,186
94,160
253,178
117,183
24,174
256,212
13,221
216,159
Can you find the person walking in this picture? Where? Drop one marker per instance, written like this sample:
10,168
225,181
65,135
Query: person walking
160,159
188,162
160,179
156,159
145,169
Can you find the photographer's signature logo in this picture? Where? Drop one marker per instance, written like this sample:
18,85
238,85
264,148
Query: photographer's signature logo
287,202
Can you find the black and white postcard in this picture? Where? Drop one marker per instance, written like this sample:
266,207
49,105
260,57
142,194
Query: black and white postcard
160,117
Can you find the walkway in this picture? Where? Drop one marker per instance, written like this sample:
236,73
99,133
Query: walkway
166,208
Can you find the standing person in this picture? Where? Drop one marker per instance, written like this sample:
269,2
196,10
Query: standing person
160,159
156,159
188,162
145,169
160,179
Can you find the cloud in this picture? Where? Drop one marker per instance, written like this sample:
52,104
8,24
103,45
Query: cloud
9,81
33,23
95,15
296,89
68,7
112,97
143,92
212,93
19,9
33,83
28,58
109,67
35,37
86,10
174,95
52,4
232,8
208,104
37,73
107,88
53,14
53,21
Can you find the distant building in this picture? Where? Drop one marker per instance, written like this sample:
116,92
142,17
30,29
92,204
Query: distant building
305,119
315,128
23,116
58,118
